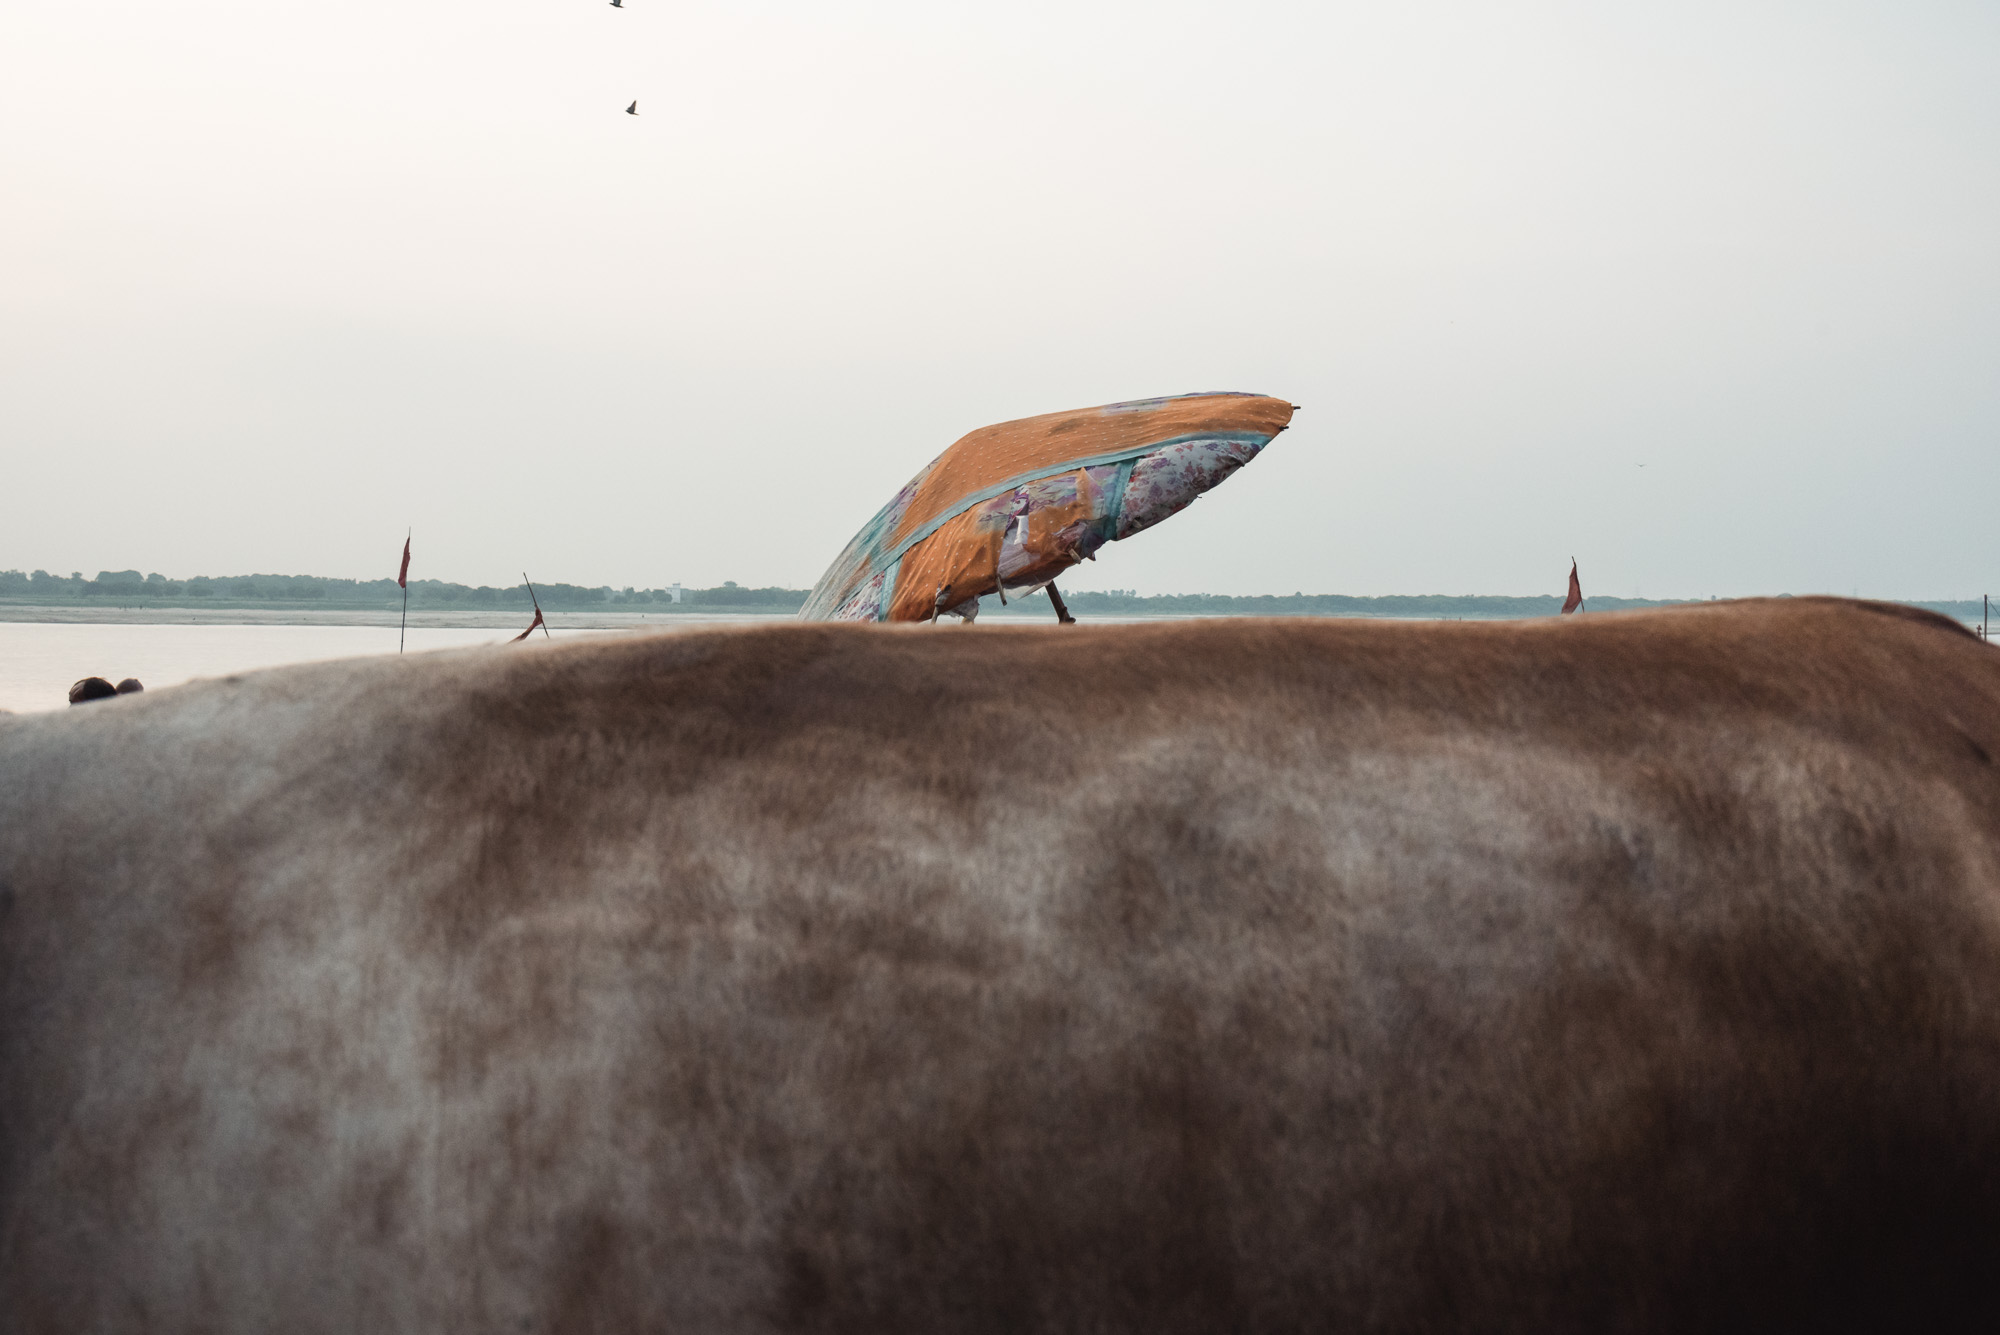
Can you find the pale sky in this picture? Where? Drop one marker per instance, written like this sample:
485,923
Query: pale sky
278,280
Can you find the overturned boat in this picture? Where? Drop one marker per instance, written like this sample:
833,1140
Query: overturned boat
1009,507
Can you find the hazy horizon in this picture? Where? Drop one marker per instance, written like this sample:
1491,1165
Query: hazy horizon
174,582
1707,298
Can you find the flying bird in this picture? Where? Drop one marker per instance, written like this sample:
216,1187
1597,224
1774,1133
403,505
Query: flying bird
632,110
618,4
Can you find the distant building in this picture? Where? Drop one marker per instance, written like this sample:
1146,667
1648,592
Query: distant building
673,593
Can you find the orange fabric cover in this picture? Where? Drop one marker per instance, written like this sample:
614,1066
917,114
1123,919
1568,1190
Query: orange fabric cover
992,454
964,558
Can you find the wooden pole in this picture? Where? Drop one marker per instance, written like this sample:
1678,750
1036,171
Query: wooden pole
404,632
538,604
1062,611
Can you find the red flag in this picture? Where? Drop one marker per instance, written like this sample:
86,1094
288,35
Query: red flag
1575,599
403,575
531,628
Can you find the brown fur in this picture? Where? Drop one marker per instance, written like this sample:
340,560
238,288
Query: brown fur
1632,972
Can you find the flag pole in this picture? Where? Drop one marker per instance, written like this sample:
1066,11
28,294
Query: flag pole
403,578
538,605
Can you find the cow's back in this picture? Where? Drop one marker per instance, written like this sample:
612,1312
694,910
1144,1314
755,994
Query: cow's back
1630,971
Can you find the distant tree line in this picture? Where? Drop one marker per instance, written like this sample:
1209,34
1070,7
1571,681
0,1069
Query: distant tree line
130,586
1428,605
1125,601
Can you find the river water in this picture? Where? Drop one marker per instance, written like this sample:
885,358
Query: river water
39,660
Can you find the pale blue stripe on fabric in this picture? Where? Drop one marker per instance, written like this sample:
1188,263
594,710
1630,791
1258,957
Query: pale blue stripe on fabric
1115,504
894,569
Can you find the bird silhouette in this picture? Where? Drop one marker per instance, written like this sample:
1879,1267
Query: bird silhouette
632,110
618,4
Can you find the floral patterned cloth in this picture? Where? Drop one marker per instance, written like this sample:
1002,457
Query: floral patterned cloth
1166,483
866,604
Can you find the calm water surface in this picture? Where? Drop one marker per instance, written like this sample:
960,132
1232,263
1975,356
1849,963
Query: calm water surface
39,660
